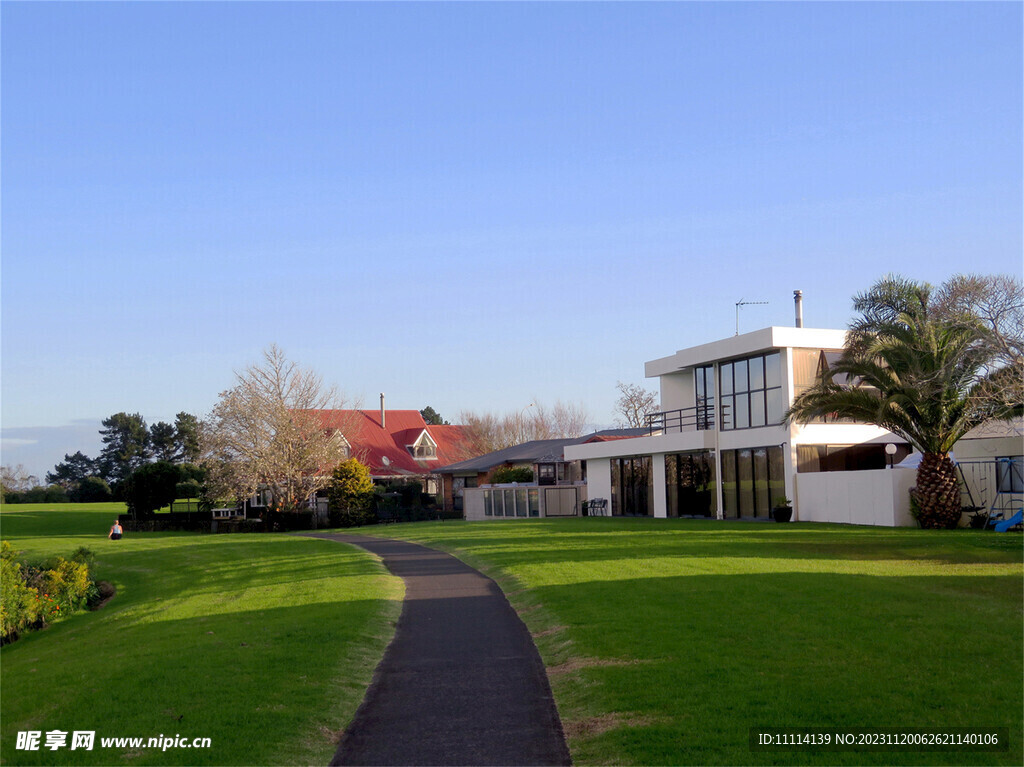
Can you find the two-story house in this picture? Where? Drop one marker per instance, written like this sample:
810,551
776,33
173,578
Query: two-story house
720,447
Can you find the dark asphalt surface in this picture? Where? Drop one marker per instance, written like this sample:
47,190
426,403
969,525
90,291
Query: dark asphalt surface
461,683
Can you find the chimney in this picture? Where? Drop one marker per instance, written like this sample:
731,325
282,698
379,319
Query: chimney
382,424
798,299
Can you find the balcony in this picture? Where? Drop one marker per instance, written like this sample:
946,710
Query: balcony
697,418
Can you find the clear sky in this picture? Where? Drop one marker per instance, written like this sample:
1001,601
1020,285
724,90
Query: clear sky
472,206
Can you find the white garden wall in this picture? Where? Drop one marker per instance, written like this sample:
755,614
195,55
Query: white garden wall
879,497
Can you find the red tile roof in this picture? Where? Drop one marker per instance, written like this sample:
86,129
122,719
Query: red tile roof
383,449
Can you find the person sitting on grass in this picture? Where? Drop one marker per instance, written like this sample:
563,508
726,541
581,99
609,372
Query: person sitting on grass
115,531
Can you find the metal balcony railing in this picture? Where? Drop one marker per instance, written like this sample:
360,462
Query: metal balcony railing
698,418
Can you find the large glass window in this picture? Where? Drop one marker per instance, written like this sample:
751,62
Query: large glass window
751,481
632,487
690,484
753,396
809,366
812,458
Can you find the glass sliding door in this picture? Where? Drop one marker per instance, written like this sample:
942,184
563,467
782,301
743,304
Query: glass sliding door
690,484
751,481
632,488
730,496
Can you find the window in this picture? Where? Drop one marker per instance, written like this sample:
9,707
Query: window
809,367
1010,474
812,458
424,449
632,487
752,392
545,474
704,389
339,438
751,481
690,484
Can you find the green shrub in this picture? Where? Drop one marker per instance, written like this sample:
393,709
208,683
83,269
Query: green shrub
190,488
91,490
67,583
40,494
151,487
84,555
33,596
505,474
349,495
19,604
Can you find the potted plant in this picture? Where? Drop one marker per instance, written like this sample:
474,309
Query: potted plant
783,511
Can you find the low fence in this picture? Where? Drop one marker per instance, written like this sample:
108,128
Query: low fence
191,521
874,497
524,501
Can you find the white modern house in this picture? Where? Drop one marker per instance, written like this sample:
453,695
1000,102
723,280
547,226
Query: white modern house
720,447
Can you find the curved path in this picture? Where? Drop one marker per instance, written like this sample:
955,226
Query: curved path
461,683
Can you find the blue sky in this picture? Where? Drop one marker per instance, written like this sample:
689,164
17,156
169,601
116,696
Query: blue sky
472,206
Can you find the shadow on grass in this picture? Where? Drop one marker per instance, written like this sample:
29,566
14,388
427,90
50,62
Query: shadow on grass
252,681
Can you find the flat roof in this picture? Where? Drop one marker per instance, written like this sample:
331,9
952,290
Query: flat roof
762,340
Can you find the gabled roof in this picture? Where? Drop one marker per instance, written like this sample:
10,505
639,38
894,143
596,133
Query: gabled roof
383,448
537,451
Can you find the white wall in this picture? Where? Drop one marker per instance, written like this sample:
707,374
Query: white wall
677,390
877,497
599,479
473,503
660,497
987,449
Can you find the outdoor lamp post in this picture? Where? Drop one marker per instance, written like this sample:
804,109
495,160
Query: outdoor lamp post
890,450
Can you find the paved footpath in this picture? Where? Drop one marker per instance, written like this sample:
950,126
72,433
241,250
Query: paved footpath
461,683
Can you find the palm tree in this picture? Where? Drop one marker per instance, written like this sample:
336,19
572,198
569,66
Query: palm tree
921,375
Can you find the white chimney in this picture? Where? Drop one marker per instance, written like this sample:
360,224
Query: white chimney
382,424
798,299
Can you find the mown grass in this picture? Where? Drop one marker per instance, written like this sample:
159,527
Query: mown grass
667,640
263,643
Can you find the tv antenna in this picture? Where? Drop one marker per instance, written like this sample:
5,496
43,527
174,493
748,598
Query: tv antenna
740,303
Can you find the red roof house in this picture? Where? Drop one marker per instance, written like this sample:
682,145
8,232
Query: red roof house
398,443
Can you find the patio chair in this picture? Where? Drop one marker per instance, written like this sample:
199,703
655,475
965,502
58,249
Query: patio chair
1008,524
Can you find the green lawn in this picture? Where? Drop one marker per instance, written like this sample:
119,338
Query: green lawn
667,640
263,643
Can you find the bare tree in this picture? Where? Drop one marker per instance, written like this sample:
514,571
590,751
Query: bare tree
485,432
996,303
268,432
489,432
569,420
633,405
17,478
